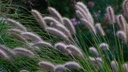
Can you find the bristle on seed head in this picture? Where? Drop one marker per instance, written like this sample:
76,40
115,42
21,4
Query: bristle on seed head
18,25
61,47
114,66
94,51
79,14
59,68
55,14
99,29
39,18
122,35
31,36
111,15
125,67
4,55
51,20
75,51
46,65
14,31
72,65
23,51
69,25
42,44
125,8
104,46
6,49
57,33
87,14
121,22
99,61
89,26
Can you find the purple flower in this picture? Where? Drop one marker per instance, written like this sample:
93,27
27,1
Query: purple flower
74,21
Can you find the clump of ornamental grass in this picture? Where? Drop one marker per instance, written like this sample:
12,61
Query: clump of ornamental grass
70,52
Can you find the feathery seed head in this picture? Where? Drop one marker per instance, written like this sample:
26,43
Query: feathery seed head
55,14
39,18
23,51
82,12
92,59
111,15
99,61
16,24
99,29
88,15
114,66
69,25
4,55
125,7
75,51
59,68
47,65
72,65
51,20
31,36
125,67
89,26
94,51
96,61
121,22
83,6
63,29
61,47
15,31
79,14
104,46
42,44
6,49
57,25
57,33
122,35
